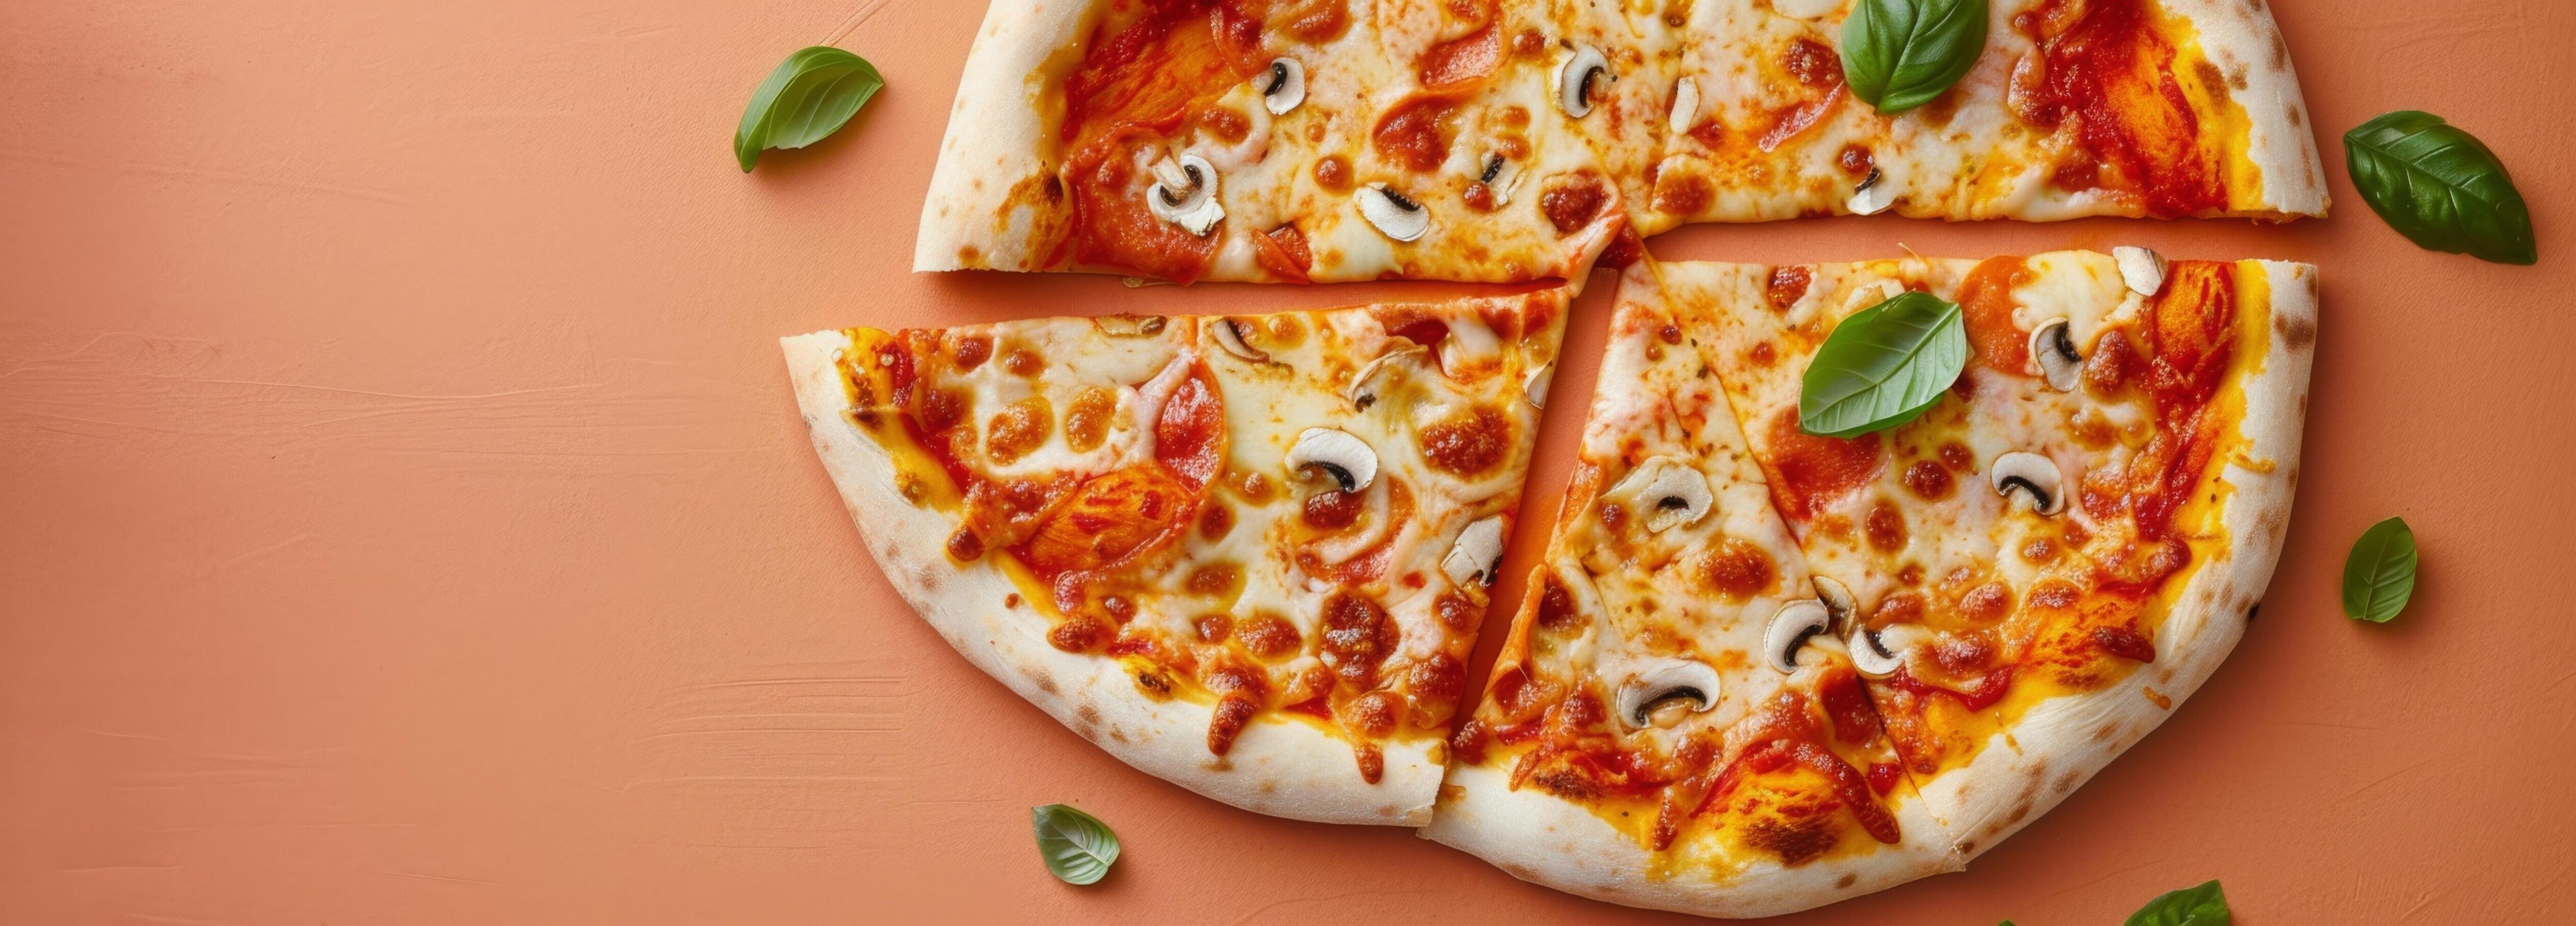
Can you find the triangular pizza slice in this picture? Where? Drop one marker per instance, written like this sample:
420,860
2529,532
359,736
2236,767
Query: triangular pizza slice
1671,724
1248,555
2068,541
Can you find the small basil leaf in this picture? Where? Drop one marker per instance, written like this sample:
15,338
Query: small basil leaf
2440,187
1900,54
1077,847
2205,905
1883,366
806,99
2380,574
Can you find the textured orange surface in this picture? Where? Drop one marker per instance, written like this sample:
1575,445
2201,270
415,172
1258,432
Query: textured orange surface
404,518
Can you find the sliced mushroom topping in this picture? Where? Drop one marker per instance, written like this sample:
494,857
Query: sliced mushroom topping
1685,106
1392,213
1284,87
1365,385
1677,495
2054,348
1184,194
1229,335
1790,628
1871,656
1129,326
1838,600
1575,77
1872,197
1667,691
1536,386
1477,557
1347,459
2034,475
1500,175
2143,270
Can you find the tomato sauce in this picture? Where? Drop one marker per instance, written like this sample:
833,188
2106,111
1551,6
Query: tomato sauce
1812,472
1131,92
2111,72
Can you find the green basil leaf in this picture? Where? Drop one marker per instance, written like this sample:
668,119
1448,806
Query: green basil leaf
2380,574
2205,905
806,99
2440,187
1900,54
1883,366
1076,845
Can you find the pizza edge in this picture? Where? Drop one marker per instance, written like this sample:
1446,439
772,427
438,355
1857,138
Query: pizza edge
1278,766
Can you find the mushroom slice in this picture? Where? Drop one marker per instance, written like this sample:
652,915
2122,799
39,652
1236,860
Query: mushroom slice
2034,475
1129,326
1477,557
1652,696
1574,79
1229,335
1393,214
1185,195
1536,385
1500,175
1872,197
1838,600
1871,656
1347,459
1685,106
1791,627
1365,388
2143,270
2054,348
1283,87
1677,495
1471,343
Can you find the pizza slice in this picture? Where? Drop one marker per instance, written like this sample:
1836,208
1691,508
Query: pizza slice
1289,141
1248,555
2142,108
2069,541
1671,723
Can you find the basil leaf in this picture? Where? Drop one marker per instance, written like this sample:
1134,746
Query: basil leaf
2205,905
1076,845
806,99
1883,366
2380,574
2440,187
1900,54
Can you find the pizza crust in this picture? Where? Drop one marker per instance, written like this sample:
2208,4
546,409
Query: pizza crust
2020,773
2240,37
1544,840
997,133
1278,766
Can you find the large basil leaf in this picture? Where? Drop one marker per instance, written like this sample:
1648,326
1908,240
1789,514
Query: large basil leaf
1883,366
2440,187
806,99
2379,576
2205,905
1900,54
1076,845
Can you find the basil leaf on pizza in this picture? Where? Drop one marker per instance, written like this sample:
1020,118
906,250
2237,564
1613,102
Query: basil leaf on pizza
2379,576
1900,54
2204,905
804,100
1077,847
1883,366
2440,187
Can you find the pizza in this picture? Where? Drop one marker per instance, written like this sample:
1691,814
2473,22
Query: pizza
1249,555
1471,140
1664,726
2018,584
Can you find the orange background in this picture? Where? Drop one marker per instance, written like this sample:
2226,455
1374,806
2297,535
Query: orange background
404,517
